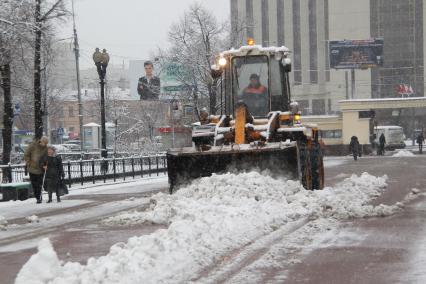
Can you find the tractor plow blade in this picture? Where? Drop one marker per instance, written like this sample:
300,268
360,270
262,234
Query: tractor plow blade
187,164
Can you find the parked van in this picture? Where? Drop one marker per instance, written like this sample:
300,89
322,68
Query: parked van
394,136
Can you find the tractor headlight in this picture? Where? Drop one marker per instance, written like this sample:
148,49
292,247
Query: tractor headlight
222,62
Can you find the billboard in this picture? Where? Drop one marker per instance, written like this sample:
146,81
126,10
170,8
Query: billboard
171,84
356,54
136,70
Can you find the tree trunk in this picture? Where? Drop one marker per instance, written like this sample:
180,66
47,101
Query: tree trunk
213,96
7,119
38,114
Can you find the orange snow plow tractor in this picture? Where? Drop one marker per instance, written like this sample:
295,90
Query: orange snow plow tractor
257,127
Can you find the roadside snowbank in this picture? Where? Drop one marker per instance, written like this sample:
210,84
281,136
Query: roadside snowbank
3,223
403,153
206,221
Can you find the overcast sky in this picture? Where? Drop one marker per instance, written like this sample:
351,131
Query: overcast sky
130,29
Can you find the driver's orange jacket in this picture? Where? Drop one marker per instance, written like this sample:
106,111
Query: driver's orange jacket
252,90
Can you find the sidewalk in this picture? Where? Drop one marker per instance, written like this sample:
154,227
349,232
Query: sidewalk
73,225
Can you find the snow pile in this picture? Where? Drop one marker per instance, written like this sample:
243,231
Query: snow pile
3,223
403,153
207,220
32,219
42,267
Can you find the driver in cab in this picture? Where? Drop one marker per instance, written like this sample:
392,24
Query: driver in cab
255,87
255,96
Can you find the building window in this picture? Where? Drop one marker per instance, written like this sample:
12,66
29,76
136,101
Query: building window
265,23
71,129
71,111
280,22
304,106
326,38
61,112
313,46
318,106
249,18
297,60
335,133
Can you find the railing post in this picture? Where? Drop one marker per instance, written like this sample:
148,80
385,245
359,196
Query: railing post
164,165
141,159
124,169
69,173
149,165
9,173
113,167
158,168
133,167
81,171
104,171
93,170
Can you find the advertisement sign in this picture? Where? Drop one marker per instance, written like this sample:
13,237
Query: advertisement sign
171,78
356,54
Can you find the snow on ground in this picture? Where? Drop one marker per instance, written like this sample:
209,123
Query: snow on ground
21,209
36,223
3,223
403,153
334,161
206,221
417,264
120,187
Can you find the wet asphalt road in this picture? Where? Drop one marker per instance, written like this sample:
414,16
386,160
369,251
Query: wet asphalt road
387,251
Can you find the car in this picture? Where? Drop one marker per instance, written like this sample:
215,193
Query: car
75,142
72,147
60,148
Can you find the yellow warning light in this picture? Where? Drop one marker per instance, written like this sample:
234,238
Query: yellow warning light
297,117
250,41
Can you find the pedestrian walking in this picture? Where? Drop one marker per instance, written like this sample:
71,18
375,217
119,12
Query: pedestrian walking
52,165
382,143
420,140
32,156
355,147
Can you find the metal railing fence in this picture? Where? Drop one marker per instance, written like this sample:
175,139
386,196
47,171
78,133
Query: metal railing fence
85,171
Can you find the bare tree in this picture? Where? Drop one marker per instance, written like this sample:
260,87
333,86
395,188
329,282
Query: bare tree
14,33
44,13
196,39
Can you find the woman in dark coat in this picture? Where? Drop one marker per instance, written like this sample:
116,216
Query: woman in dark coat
54,170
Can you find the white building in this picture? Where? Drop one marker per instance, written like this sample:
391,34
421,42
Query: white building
307,26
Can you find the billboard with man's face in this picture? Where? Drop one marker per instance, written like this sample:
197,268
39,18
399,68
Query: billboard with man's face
356,54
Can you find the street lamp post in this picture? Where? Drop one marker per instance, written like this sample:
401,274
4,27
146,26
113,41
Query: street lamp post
101,61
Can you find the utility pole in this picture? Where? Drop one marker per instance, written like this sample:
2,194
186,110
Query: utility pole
77,67
413,114
352,83
347,85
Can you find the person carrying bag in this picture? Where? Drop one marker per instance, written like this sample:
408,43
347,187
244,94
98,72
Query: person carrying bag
52,165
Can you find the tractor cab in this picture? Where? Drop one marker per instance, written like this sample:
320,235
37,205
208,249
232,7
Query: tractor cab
255,76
